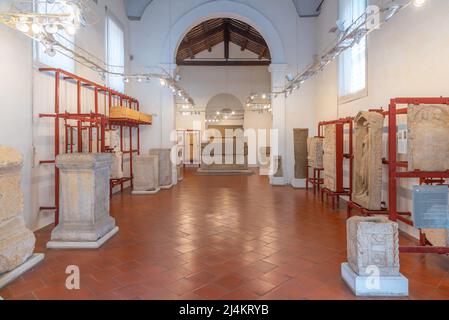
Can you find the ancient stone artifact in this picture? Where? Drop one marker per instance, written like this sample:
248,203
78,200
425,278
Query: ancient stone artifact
278,168
367,173
428,129
329,157
146,174
373,258
16,241
264,161
373,241
165,167
315,152
84,201
117,164
300,137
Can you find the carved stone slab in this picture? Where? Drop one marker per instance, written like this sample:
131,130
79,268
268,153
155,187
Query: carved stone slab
367,176
146,176
329,157
16,241
84,198
428,129
373,242
315,152
116,168
165,166
300,148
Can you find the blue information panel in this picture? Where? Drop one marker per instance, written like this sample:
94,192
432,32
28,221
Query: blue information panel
431,207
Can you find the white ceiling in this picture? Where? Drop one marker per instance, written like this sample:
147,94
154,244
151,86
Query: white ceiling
305,8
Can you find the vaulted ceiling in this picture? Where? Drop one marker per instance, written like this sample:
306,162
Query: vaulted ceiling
305,8
209,33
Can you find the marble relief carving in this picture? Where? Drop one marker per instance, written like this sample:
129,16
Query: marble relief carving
165,166
329,157
16,241
373,241
428,129
367,174
315,152
300,137
146,175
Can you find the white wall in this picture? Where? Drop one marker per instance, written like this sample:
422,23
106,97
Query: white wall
26,93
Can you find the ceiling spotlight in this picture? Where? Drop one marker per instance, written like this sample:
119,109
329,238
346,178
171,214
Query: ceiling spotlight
51,28
233,113
264,96
23,27
289,77
163,82
70,29
419,3
139,79
126,80
218,113
50,51
36,28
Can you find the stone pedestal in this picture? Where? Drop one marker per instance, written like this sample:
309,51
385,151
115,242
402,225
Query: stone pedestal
146,175
300,137
367,177
84,221
180,170
16,241
165,167
373,258
315,152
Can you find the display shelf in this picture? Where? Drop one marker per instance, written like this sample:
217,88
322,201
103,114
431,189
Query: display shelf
76,123
316,181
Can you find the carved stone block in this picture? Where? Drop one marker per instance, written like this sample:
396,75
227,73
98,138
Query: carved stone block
278,167
373,242
116,168
329,157
315,152
300,137
146,175
367,174
165,166
428,129
16,241
84,198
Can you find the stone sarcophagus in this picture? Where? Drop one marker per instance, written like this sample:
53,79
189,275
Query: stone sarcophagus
373,242
367,174
315,152
329,157
428,129
165,167
84,220
300,137
146,174
16,241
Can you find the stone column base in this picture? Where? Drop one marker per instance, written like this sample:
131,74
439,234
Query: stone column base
167,187
82,244
142,193
10,276
393,286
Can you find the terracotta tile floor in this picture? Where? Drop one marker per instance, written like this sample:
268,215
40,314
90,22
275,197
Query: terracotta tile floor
218,238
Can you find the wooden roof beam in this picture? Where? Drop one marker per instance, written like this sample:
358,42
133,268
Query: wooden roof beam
201,38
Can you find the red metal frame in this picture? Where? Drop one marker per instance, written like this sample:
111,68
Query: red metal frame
394,174
95,120
316,181
340,157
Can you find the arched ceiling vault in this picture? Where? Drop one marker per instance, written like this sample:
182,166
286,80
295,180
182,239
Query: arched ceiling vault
305,8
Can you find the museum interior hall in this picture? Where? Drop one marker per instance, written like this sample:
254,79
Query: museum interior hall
224,150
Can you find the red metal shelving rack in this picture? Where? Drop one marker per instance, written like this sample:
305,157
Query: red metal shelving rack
95,120
394,174
340,156
316,181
